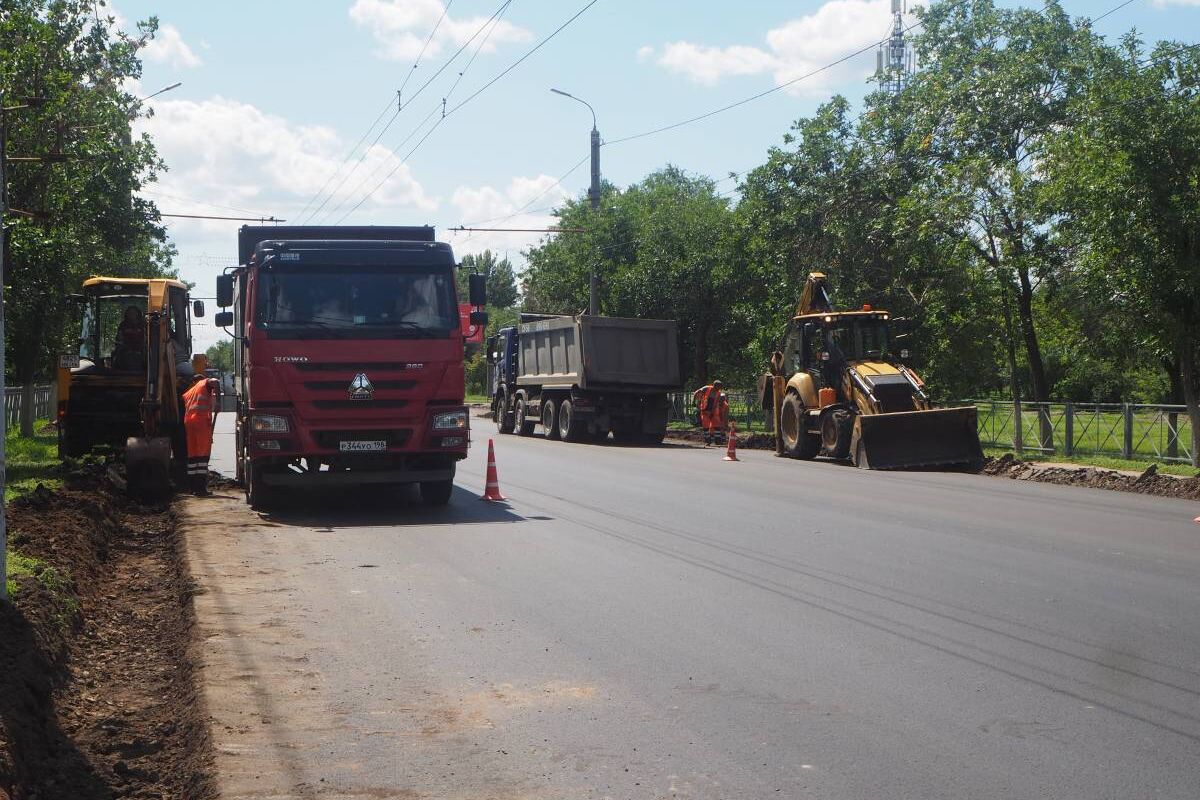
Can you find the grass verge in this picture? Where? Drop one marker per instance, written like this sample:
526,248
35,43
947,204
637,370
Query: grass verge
31,460
1103,462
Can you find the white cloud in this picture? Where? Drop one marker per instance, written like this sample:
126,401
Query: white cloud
168,47
487,206
796,48
401,27
230,152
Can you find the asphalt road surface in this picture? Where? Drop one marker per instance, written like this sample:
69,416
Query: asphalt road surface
652,623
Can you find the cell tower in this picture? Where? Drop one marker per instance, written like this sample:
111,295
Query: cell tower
895,61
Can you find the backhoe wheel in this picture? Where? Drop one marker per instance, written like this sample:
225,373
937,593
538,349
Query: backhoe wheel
835,433
569,428
550,419
524,425
504,419
793,425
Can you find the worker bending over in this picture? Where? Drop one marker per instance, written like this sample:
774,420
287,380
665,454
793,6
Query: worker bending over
714,412
199,417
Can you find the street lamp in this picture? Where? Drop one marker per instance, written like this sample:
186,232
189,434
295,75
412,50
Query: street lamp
593,195
175,85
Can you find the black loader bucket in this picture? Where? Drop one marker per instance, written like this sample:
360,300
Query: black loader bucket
148,467
940,437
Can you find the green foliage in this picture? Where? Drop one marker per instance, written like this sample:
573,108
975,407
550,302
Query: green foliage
30,461
86,217
501,279
220,355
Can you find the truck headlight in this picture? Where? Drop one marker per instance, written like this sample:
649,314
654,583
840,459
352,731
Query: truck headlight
268,423
450,421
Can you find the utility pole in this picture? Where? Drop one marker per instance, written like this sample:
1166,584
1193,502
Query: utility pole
594,198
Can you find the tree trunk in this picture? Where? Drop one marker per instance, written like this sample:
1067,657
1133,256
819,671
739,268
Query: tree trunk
27,415
1191,393
1175,398
1014,377
700,364
1033,353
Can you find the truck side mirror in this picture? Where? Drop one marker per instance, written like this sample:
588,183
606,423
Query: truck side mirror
477,285
224,291
479,318
223,319
197,308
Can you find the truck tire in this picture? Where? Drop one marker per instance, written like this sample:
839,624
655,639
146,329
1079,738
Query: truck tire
524,425
653,439
793,424
259,496
504,419
550,419
835,433
436,493
569,427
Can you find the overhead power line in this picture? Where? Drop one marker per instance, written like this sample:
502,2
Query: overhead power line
460,105
399,107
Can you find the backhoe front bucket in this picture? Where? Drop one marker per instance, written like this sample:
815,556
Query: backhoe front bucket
148,467
940,437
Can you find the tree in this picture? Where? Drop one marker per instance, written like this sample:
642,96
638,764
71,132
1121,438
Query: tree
501,279
996,83
665,249
1126,178
220,356
79,212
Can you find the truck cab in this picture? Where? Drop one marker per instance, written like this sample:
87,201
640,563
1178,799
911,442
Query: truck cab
348,360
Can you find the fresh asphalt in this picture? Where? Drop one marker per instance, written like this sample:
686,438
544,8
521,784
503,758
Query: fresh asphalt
657,622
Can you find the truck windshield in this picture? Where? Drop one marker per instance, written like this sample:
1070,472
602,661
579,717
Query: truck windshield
373,302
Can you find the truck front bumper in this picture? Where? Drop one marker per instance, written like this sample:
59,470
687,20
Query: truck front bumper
295,479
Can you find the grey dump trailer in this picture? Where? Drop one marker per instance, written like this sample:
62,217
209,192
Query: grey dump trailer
583,377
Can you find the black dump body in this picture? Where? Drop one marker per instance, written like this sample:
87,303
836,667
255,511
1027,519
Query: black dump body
249,236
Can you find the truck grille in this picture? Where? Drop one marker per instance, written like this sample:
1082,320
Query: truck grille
330,405
354,366
341,386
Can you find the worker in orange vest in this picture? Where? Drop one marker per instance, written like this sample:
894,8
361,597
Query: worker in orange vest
199,417
714,412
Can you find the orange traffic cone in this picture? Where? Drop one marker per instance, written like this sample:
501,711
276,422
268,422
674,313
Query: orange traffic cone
731,449
491,491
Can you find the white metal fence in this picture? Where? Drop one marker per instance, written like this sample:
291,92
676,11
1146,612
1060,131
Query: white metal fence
14,399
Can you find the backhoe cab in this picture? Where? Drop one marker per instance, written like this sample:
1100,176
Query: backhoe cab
839,389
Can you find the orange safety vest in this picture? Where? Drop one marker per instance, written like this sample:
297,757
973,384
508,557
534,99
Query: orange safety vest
198,400
712,416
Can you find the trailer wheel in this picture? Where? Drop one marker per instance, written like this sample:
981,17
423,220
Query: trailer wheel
793,427
524,425
504,420
550,419
569,427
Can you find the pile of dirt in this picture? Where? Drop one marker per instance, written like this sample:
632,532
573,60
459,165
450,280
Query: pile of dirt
98,696
752,441
1149,482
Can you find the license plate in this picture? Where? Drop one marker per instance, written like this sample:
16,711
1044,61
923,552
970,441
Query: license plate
362,447
68,361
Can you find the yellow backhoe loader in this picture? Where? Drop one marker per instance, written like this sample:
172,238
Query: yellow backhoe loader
123,387
839,389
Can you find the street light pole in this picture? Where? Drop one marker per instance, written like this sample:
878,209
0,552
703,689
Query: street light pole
4,412
593,196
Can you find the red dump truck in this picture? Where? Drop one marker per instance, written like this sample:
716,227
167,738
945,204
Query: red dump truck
348,358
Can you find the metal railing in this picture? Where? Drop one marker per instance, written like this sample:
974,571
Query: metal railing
1135,432
744,410
1122,430
14,398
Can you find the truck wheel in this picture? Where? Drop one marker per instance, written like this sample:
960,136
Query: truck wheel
653,439
436,493
259,495
569,427
504,420
793,425
524,425
550,419
835,434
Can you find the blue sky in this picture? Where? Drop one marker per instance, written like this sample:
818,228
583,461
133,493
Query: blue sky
277,92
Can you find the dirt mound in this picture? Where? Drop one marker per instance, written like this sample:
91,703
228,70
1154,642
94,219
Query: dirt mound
1149,482
752,441
97,693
